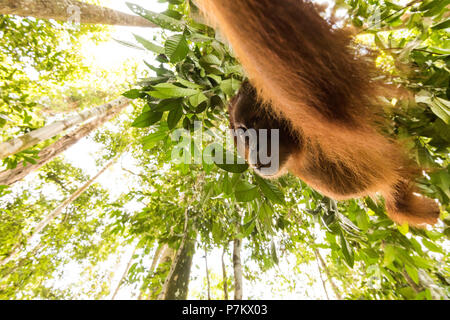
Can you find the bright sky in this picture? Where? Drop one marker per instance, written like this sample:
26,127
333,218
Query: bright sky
103,54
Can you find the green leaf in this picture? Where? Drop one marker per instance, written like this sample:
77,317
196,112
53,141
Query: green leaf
389,255
273,252
235,178
417,246
29,159
427,5
424,157
133,94
219,49
168,105
230,86
169,90
433,235
197,99
433,8
440,108
234,69
226,183
129,44
172,13
442,51
245,191
162,58
393,5
347,251
265,214
379,42
442,25
431,246
408,293
232,167
248,228
188,84
423,96
146,119
149,45
404,228
174,117
173,1
444,182
152,139
422,262
161,71
217,232
270,190
413,273
176,48
216,78
210,59
362,220
159,19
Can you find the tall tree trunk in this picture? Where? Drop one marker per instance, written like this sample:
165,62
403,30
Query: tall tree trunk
124,274
158,252
9,177
177,284
56,213
330,279
207,275
167,254
321,278
237,266
28,140
20,263
71,10
177,281
225,278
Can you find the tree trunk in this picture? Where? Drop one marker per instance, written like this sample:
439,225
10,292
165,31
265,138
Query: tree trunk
177,283
225,278
21,262
56,213
167,254
330,279
321,278
207,275
9,177
124,274
237,266
160,250
28,140
71,11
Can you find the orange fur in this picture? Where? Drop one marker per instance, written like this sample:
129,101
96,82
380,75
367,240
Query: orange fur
305,158
306,72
